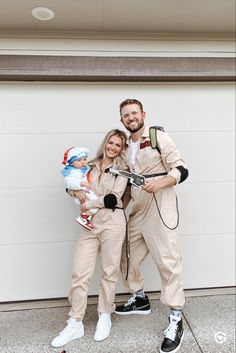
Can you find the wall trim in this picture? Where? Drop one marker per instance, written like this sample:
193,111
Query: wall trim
115,69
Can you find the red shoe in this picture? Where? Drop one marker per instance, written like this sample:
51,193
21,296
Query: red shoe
84,221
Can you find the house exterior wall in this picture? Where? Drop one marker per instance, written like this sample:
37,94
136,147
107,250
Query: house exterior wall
39,120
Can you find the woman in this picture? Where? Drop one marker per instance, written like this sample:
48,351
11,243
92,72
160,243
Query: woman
106,237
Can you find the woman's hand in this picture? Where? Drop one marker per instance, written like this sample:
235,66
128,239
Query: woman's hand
81,196
83,207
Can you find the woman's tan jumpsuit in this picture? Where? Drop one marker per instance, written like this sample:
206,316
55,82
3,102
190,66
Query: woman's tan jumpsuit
107,237
147,233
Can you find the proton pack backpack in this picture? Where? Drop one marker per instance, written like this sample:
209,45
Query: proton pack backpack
153,137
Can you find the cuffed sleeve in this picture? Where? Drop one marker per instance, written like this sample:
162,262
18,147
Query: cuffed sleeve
183,173
110,201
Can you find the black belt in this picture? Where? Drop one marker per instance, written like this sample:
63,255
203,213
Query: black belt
154,175
117,208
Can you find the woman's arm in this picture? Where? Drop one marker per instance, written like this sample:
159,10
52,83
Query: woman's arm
118,189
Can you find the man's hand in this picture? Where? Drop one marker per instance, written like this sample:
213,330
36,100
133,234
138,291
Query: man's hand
156,185
151,186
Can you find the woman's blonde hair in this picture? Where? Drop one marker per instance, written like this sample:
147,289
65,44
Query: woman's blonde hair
120,161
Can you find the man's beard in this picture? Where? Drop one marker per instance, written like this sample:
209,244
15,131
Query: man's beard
135,129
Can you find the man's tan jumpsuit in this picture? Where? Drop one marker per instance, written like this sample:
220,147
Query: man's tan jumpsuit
107,237
147,233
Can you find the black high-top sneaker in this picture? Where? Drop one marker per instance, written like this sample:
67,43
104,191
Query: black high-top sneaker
135,305
174,335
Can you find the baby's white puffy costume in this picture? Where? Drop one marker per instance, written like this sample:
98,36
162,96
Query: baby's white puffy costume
74,176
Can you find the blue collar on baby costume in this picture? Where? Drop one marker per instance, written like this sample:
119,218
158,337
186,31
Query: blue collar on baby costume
67,170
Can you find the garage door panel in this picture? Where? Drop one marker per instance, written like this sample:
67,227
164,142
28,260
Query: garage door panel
52,108
38,216
209,155
70,108
209,260
38,158
50,276
189,107
207,208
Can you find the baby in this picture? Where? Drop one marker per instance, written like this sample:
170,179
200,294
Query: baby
76,177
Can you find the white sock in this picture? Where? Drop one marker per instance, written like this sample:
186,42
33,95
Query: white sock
176,312
140,293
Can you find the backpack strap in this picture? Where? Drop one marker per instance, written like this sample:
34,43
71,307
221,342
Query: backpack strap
153,137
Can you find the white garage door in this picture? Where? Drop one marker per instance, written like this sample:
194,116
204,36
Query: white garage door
38,121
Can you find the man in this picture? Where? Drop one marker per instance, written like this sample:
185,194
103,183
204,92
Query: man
153,221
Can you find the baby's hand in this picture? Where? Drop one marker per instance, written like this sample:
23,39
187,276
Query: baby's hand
86,184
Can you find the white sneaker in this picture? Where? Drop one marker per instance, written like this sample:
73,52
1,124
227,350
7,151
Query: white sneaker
103,328
73,330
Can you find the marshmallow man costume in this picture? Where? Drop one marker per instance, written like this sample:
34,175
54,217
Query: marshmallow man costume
74,176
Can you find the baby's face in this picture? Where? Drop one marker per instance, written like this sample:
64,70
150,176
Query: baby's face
80,163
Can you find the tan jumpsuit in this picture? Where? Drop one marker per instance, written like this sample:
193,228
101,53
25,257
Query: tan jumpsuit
107,237
147,233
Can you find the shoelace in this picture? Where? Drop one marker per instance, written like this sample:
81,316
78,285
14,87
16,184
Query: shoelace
170,332
131,300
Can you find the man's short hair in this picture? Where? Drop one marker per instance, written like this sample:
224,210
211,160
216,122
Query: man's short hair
131,101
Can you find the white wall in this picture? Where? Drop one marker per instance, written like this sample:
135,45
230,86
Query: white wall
38,121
